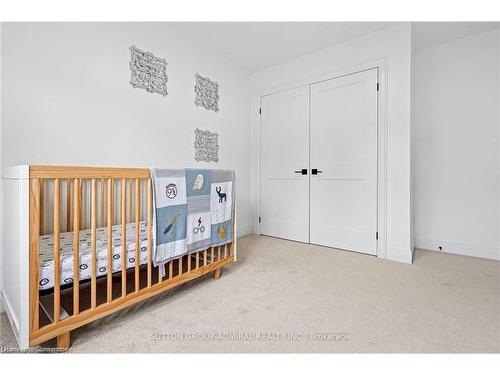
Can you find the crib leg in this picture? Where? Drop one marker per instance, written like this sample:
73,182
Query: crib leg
63,341
216,273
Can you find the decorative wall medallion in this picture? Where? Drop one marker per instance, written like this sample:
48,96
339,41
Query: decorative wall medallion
206,93
206,146
148,72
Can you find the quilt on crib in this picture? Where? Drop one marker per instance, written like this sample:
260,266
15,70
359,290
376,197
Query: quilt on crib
192,211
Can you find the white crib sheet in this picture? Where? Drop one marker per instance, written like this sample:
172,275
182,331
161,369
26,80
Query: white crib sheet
46,254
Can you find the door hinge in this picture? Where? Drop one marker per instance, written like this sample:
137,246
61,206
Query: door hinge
377,86
260,111
259,219
376,236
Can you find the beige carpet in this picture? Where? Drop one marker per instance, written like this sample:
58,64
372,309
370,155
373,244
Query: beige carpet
281,292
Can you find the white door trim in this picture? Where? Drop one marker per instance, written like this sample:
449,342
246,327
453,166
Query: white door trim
381,64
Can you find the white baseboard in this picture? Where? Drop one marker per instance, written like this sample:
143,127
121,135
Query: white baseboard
400,255
460,248
243,231
13,319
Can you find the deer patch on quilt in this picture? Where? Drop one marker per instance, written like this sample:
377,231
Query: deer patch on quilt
192,211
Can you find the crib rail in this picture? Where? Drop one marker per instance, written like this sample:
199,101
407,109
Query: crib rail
64,199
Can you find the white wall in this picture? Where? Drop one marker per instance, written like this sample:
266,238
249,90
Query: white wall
67,99
1,197
412,143
457,146
394,45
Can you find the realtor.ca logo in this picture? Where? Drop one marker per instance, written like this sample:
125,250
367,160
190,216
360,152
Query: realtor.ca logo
171,191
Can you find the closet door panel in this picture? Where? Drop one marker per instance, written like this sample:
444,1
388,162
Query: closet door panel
284,191
343,210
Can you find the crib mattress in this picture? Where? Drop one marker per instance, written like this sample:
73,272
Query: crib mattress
46,253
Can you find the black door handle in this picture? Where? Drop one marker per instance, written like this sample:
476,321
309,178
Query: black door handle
315,171
302,171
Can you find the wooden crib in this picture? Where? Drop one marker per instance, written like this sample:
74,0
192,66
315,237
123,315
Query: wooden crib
56,199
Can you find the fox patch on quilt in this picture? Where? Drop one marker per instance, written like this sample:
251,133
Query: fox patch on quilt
192,211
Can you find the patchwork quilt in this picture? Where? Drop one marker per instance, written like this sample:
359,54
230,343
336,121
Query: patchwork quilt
193,210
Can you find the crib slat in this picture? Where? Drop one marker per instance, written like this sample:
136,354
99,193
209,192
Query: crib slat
137,242
170,269
57,255
76,246
149,227
80,188
41,203
123,208
180,266
102,202
68,205
114,214
129,200
109,277
212,254
35,228
218,252
93,255
205,258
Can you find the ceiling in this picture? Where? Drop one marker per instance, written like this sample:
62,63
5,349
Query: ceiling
427,34
259,45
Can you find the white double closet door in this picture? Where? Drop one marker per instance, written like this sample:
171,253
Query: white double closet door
319,163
